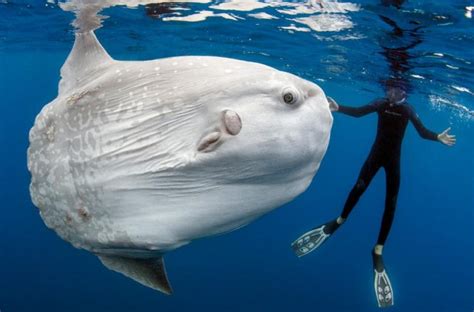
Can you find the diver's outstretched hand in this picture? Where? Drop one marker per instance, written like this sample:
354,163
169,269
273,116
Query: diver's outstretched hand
447,139
333,106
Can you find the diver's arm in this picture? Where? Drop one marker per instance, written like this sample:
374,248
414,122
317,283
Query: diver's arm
422,130
444,137
353,111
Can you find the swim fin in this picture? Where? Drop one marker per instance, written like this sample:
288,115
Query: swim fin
311,240
382,285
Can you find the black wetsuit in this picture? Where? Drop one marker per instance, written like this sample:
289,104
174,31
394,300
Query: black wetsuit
385,152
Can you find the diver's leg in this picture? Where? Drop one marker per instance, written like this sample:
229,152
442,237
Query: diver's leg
367,173
392,175
383,288
312,239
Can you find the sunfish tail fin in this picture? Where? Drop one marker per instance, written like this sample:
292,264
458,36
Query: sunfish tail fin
85,60
148,272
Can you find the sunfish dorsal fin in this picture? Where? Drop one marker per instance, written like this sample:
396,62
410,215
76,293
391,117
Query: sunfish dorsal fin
86,58
148,272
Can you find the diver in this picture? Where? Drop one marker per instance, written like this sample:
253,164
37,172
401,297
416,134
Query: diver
393,117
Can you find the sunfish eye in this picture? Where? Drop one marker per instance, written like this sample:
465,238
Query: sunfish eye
290,96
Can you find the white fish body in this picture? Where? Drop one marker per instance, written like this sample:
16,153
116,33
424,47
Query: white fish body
136,158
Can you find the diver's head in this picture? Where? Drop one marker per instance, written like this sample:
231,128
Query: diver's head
396,95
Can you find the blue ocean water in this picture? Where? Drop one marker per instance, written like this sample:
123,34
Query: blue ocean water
426,47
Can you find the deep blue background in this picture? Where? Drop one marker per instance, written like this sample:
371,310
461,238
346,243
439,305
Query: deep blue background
429,254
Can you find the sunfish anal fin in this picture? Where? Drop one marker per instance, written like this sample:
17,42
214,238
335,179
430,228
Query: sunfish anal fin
86,57
148,272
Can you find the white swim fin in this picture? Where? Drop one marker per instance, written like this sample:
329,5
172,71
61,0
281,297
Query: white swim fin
382,286
314,238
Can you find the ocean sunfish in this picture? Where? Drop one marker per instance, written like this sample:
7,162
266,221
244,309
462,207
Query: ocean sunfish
136,158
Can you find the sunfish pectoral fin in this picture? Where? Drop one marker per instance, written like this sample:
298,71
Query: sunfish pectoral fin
86,56
148,272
